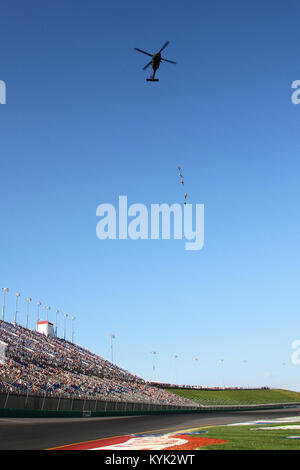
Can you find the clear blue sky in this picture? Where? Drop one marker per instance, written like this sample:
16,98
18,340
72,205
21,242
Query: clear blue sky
81,126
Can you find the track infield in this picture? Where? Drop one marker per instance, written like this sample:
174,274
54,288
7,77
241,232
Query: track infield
281,434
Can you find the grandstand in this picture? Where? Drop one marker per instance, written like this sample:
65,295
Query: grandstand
35,363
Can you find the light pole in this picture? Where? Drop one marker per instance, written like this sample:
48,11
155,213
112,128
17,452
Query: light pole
4,290
65,316
56,315
175,369
16,312
154,374
38,312
245,362
47,308
28,300
73,319
196,360
112,336
222,361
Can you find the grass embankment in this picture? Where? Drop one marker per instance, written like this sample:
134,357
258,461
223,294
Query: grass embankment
238,397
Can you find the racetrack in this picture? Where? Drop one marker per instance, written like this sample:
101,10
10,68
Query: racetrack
40,433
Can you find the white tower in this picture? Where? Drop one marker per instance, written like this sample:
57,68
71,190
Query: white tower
45,327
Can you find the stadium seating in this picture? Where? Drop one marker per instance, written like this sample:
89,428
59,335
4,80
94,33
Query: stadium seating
36,363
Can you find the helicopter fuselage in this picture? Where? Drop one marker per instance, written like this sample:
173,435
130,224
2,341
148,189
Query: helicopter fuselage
156,60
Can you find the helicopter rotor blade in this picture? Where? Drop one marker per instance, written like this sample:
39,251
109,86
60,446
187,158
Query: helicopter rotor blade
165,45
170,61
143,52
144,68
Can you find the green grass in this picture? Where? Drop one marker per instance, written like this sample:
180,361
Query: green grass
243,438
238,397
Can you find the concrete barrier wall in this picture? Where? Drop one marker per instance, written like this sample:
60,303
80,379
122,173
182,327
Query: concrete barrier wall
15,405
11,401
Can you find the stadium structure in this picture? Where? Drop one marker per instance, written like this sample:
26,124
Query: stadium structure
38,363
41,372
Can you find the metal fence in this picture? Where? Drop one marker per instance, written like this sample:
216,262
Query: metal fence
52,402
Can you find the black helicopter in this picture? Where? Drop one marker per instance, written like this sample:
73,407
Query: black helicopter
155,61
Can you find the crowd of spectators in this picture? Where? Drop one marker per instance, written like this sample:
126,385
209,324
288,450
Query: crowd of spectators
36,363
